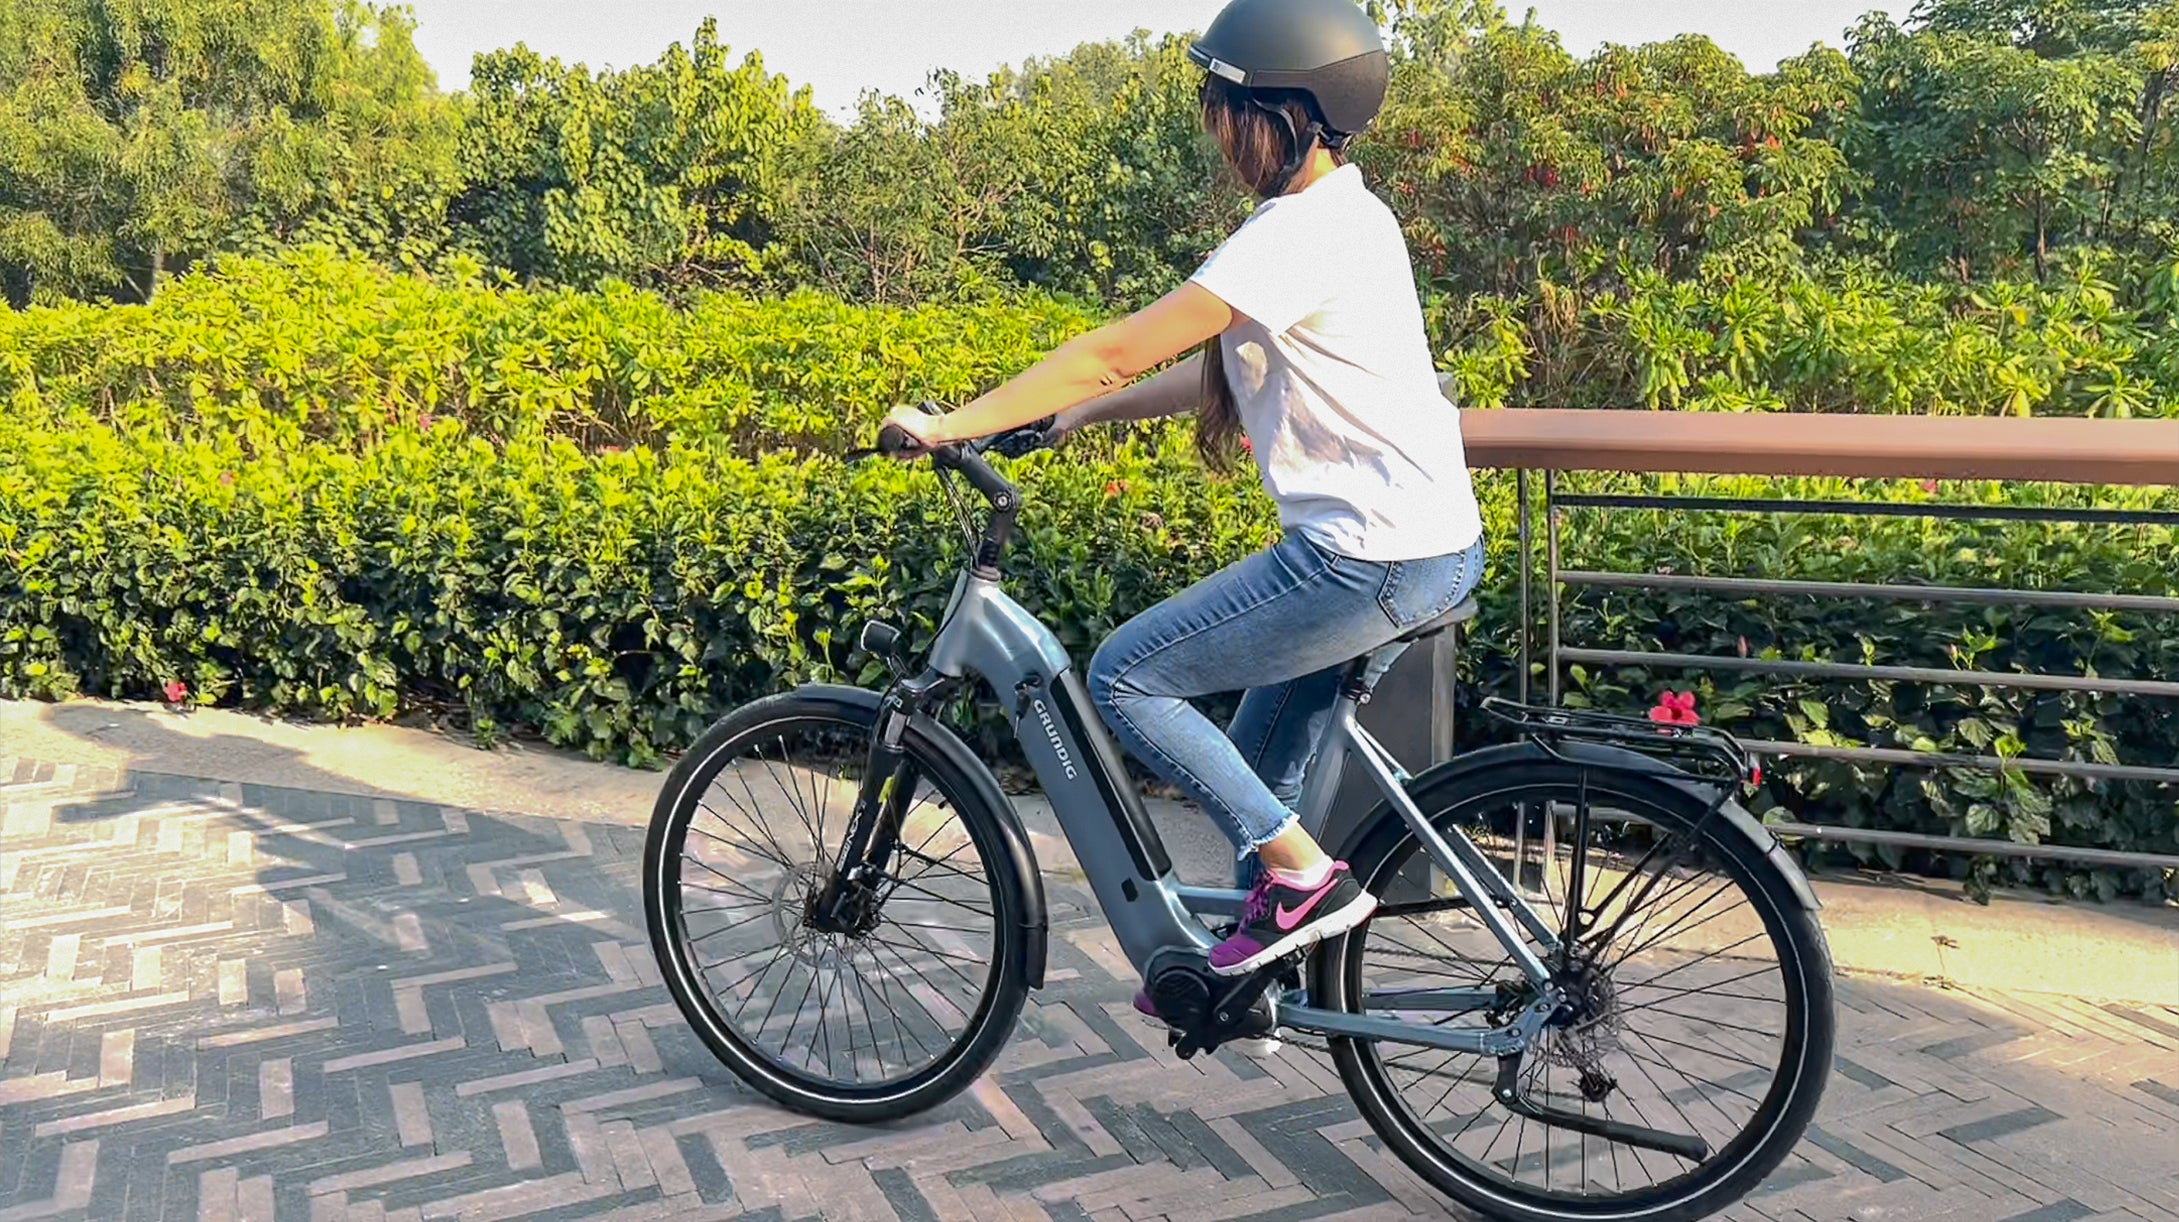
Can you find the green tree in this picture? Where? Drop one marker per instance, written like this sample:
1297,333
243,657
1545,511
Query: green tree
1992,133
138,136
1085,174
1123,195
1510,158
669,175
894,210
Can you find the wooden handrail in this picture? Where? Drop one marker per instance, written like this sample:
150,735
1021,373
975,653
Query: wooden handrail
2056,450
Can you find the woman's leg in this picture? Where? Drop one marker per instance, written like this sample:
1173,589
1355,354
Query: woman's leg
1277,616
1278,729
1275,621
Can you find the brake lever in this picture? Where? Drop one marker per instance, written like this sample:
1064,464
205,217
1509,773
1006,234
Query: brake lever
1015,443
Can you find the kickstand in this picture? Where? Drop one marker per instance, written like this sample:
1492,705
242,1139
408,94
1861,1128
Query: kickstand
1511,1096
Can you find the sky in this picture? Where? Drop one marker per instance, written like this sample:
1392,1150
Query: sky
842,47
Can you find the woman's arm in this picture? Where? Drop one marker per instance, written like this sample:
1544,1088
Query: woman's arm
1174,392
1081,369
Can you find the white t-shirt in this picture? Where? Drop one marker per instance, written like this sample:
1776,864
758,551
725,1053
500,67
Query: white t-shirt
1332,375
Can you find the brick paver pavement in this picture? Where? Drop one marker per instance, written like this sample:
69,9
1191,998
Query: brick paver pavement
228,1002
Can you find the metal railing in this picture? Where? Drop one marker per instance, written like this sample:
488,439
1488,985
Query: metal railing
1550,443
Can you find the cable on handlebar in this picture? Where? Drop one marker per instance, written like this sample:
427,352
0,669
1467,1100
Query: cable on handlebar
1017,443
967,460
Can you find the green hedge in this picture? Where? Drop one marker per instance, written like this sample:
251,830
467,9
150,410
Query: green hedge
310,345
619,601
1835,339
313,486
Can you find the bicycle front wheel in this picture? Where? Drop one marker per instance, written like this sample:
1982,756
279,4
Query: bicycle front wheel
1699,1001
856,1026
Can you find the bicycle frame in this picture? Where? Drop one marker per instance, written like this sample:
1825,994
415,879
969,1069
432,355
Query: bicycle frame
987,635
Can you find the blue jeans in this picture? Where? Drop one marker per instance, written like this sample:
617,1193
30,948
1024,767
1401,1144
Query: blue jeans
1281,624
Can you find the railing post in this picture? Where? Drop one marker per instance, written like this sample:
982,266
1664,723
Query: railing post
1551,578
1528,563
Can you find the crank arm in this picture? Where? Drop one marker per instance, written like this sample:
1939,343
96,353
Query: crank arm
1508,1093
1223,1015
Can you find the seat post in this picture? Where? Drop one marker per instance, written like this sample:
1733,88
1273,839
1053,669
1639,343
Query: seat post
1356,687
1328,764
1354,682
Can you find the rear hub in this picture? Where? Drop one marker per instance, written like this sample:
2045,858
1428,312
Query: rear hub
1584,1030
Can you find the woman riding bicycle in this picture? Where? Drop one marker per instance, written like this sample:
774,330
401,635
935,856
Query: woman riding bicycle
1312,346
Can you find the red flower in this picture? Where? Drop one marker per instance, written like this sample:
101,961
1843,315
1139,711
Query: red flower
175,691
1247,445
1115,487
1675,709
1929,486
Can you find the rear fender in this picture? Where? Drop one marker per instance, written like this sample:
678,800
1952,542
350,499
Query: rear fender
1471,770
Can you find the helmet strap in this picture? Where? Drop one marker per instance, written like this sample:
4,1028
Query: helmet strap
1298,143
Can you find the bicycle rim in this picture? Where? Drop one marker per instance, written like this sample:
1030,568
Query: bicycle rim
1692,1003
832,1015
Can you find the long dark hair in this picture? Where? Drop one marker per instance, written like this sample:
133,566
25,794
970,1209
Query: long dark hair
1258,131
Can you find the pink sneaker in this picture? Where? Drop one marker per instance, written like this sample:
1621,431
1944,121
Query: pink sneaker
1279,920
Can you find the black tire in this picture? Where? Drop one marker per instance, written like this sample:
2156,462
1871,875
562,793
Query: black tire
1736,1165
841,720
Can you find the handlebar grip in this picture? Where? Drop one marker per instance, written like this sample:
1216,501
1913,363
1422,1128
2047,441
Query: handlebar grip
893,439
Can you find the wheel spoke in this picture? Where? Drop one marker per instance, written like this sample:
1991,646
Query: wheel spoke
733,884
945,899
1663,980
726,928
831,1010
737,845
756,813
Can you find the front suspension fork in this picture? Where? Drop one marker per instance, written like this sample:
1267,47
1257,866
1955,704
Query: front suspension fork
848,901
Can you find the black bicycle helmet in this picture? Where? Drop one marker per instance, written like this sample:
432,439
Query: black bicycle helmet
1327,49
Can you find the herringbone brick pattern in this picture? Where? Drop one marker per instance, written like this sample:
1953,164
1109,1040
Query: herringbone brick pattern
225,1002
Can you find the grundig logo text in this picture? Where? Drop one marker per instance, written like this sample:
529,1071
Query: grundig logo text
1059,746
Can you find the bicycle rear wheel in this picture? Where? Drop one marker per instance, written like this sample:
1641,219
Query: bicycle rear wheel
1699,988
860,1027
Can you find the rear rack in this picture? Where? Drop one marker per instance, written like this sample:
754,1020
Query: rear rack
1700,751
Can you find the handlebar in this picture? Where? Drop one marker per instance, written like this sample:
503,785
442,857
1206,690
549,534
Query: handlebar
895,441
967,458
